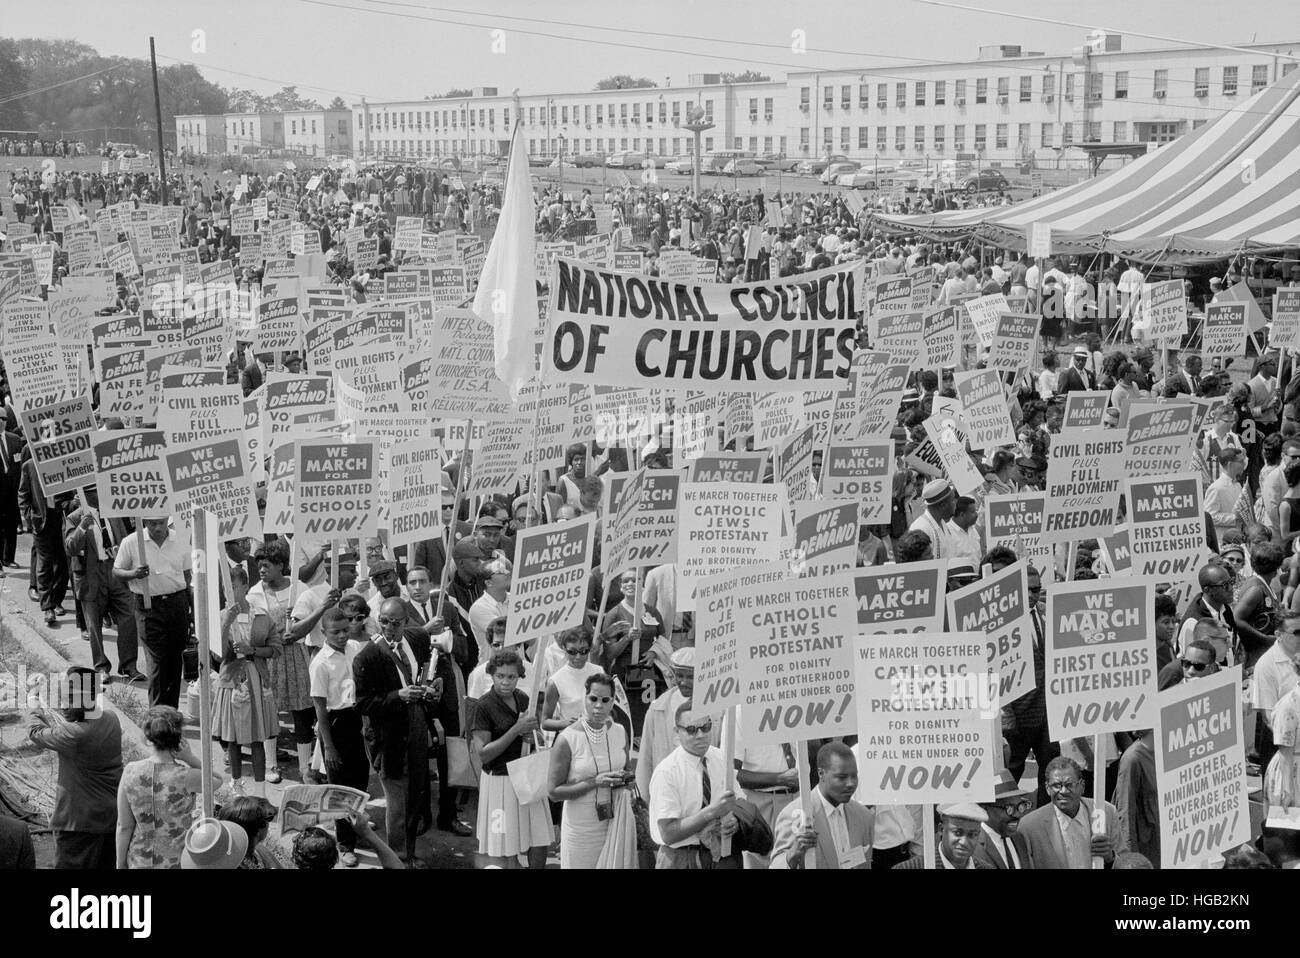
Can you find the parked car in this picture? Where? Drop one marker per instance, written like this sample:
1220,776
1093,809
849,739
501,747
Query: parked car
590,159
770,161
683,164
867,179
817,167
788,164
568,159
983,180
833,170
625,159
743,168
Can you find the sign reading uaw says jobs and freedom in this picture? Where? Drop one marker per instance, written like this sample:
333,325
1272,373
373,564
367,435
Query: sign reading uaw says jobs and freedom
618,329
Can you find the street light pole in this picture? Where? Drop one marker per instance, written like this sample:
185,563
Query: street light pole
696,123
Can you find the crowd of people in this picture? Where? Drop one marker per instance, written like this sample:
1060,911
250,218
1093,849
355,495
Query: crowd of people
390,668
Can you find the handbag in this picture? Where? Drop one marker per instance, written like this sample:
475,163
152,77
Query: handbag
529,774
462,770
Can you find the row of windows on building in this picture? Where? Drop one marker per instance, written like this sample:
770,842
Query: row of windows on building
667,146
935,139
935,92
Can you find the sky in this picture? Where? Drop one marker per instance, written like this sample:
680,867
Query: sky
392,50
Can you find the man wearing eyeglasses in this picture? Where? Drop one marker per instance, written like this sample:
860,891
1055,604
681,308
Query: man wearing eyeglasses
690,812
1198,661
1001,845
1061,834
658,738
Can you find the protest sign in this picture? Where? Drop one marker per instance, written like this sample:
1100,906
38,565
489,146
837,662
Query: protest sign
1223,334
629,261
939,334
826,535
1039,239
24,321
1201,770
621,329
984,312
289,393
1100,661
998,606
776,417
717,640
880,390
1015,343
1166,526
892,293
281,476
1117,551
737,419
335,494
1085,410
278,325
121,381
901,598
414,492
497,464
463,383
1084,471
36,371
210,475
651,523
984,409
729,467
722,525
548,591
863,472
1159,437
1165,307
1015,520
901,335
949,446
924,710
796,658
129,474
59,436
796,458
1284,333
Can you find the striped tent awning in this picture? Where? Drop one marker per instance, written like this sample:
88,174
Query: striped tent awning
1232,184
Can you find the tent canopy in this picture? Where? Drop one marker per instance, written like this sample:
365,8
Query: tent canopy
1233,184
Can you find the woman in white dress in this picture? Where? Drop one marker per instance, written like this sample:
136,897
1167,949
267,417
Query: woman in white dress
1282,778
567,687
588,766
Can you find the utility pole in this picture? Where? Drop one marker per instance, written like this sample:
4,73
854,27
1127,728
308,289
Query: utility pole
157,112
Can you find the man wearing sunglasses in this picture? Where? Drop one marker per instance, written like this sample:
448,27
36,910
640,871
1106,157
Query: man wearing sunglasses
1214,602
658,736
1001,844
1198,662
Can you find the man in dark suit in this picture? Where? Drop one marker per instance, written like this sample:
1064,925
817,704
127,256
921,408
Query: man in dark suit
11,459
1187,379
957,837
1078,377
1002,846
91,544
44,517
391,696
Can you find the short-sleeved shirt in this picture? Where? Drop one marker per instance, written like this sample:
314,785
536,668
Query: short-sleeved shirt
496,717
331,676
167,563
677,789
306,606
1275,676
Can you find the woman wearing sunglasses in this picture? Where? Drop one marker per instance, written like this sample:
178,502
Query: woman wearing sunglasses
567,688
587,774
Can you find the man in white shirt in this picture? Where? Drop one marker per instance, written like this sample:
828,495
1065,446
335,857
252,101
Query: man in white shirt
338,723
770,777
964,534
658,736
661,594
309,608
690,812
1001,845
165,569
1222,494
940,504
1275,673
840,829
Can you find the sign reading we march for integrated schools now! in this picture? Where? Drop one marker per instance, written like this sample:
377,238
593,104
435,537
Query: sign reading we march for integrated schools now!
796,659
1100,661
1166,526
924,724
549,589
335,496
1201,770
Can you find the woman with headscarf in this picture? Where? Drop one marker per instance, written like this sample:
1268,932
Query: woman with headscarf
588,774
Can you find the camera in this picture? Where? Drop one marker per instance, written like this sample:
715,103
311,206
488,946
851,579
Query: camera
604,811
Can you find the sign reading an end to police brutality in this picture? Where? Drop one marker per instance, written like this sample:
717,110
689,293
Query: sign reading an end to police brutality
984,408
717,659
925,706
549,589
901,598
335,496
1201,770
1166,525
1100,663
997,606
129,474
863,472
1223,335
722,525
619,329
826,535
210,475
796,659
1083,484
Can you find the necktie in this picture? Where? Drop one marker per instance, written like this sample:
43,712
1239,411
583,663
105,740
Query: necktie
788,751
424,610
708,785
4,455
1038,628
1006,850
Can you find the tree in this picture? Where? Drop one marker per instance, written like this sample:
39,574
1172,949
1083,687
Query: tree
749,76
338,104
624,82
13,83
455,94
289,99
